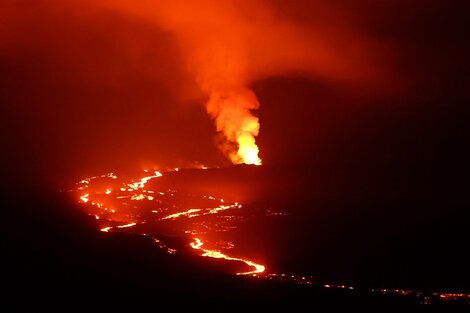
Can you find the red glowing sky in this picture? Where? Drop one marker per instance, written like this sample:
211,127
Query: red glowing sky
94,86
362,112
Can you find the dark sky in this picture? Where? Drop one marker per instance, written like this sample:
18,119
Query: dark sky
90,87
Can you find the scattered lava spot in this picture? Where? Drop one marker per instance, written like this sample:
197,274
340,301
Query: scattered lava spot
157,211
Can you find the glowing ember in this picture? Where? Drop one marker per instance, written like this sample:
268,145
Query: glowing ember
84,198
141,197
196,244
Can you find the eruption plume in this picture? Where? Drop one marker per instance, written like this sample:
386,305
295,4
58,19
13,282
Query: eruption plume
227,45
214,40
209,50
231,110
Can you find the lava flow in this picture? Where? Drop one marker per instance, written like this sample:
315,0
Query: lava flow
197,244
119,205
142,207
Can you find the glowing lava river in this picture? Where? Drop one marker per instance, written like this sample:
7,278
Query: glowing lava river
119,206
208,224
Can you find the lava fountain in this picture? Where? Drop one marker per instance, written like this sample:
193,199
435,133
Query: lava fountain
231,110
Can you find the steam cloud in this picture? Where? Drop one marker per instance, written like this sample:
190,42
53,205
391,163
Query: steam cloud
229,44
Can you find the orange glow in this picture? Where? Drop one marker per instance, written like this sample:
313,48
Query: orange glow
141,183
188,213
141,197
453,296
223,208
248,150
110,206
231,109
197,244
127,191
127,225
84,198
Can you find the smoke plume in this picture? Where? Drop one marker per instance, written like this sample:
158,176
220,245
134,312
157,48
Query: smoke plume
98,56
229,44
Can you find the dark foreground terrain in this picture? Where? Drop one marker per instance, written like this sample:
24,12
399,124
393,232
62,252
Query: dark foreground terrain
56,258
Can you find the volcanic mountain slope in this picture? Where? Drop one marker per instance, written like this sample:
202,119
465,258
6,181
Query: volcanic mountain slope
57,259
56,255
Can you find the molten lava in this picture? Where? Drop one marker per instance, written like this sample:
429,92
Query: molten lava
197,244
111,207
231,108
134,207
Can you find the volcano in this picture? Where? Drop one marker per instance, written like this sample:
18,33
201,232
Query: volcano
232,154
202,209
